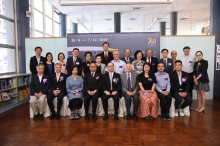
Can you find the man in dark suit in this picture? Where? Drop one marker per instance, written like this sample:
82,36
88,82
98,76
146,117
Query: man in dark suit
167,62
75,60
180,88
130,90
106,55
57,89
39,87
92,90
38,59
151,60
127,58
111,88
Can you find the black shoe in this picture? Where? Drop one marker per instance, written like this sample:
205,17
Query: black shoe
116,117
94,117
35,117
163,116
58,116
52,116
151,118
87,117
147,118
128,117
105,117
135,117
40,116
168,116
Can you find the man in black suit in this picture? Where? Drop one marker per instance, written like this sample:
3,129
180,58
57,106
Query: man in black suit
150,59
39,87
75,60
92,90
38,59
167,62
180,88
127,58
57,89
106,55
111,88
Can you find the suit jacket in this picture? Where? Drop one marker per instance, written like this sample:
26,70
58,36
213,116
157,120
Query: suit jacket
110,57
175,85
34,63
130,59
60,85
91,84
124,82
202,70
154,62
39,87
69,65
116,86
170,65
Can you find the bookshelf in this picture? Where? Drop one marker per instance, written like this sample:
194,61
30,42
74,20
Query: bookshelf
17,88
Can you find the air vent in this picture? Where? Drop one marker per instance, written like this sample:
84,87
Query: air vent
137,8
184,18
129,28
133,19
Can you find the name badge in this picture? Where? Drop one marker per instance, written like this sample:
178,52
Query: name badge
149,79
165,78
77,63
190,61
40,61
169,64
120,66
153,63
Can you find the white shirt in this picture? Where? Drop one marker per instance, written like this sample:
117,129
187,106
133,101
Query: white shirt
40,77
188,63
111,78
148,59
92,74
106,53
119,66
38,59
180,77
166,61
130,78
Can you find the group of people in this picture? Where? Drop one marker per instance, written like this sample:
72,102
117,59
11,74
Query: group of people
145,79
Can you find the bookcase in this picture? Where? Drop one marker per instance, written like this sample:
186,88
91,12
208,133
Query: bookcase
14,90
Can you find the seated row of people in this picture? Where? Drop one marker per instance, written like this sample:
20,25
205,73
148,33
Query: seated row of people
144,88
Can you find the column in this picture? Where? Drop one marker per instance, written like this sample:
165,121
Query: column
162,28
62,25
23,30
214,30
117,22
173,23
75,27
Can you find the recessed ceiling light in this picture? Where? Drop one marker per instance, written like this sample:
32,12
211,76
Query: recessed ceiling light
137,8
184,18
129,28
110,29
108,19
132,19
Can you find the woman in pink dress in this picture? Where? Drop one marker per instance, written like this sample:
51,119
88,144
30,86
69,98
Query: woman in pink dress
61,58
148,107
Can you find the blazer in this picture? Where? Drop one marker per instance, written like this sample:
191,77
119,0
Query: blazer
69,65
60,84
129,58
202,70
124,82
91,84
39,87
116,86
170,65
110,57
175,85
154,62
34,63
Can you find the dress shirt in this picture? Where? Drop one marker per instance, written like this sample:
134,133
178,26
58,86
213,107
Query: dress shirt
163,82
119,66
40,77
38,59
105,53
188,63
130,78
111,79
148,59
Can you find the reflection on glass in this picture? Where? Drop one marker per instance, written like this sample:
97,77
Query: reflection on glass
57,29
38,20
7,60
6,32
48,26
38,5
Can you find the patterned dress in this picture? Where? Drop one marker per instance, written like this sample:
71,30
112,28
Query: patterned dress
137,67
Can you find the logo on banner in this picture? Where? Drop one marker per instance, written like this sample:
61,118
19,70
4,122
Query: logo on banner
152,41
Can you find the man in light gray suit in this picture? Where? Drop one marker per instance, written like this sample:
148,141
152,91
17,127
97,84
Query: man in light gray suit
168,62
130,90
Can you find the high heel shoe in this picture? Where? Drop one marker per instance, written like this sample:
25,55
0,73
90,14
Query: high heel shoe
201,110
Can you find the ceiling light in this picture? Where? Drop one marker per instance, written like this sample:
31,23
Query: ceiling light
108,19
132,19
184,18
137,8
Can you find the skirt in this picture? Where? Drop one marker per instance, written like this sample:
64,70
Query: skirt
148,105
202,86
75,103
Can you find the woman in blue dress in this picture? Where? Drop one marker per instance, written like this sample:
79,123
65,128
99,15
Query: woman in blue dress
74,87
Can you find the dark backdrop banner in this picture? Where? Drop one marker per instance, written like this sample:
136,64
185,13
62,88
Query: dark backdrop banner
134,41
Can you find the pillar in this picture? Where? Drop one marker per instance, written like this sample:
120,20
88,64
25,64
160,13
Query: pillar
75,27
62,25
173,23
117,22
163,28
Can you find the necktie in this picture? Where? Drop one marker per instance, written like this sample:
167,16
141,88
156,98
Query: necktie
149,60
127,60
58,76
129,83
111,81
179,76
74,61
92,75
106,57
165,64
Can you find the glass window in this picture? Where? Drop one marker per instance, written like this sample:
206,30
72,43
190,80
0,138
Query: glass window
38,20
38,5
57,29
56,17
7,32
48,9
9,12
49,26
38,34
7,60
